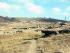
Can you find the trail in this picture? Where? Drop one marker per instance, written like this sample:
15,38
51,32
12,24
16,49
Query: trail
32,47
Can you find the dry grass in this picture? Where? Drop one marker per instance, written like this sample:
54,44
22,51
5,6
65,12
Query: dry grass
60,43
17,43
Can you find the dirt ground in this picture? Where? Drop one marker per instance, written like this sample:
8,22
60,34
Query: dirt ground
21,38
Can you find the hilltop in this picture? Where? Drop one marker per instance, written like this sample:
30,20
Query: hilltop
12,19
6,19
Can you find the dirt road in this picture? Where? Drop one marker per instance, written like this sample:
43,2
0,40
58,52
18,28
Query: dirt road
32,47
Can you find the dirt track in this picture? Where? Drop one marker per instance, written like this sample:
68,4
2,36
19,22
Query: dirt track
32,47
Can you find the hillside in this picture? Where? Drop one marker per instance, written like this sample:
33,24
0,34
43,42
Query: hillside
50,20
41,19
6,19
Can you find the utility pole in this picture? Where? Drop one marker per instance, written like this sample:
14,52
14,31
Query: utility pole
65,18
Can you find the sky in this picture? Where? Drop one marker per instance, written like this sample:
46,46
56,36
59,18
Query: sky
35,8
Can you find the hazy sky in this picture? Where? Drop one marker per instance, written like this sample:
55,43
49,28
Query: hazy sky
48,8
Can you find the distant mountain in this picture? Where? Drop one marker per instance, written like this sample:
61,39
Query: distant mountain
49,20
40,19
6,19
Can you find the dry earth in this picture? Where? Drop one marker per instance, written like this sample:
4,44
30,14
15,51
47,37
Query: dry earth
21,38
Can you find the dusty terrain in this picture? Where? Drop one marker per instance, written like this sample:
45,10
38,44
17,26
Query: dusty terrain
26,37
